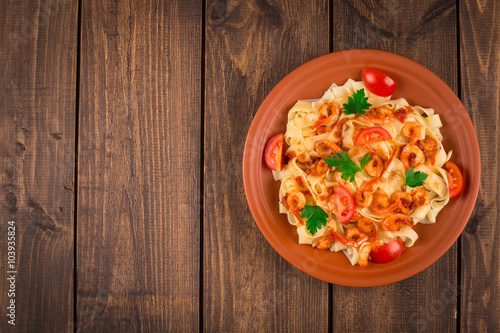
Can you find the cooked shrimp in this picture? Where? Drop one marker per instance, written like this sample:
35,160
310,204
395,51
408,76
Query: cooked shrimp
369,227
429,147
380,115
375,167
325,242
354,237
389,165
364,253
411,156
294,202
380,204
364,196
328,113
318,168
324,129
325,148
395,222
420,197
412,131
403,202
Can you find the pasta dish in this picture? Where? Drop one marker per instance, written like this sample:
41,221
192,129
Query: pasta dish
359,170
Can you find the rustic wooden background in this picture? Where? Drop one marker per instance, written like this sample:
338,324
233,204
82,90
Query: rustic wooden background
122,125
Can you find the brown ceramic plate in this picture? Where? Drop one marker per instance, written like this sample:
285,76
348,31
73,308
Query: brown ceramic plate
420,87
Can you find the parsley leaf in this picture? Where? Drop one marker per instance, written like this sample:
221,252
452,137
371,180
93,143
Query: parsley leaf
414,179
357,103
346,166
316,218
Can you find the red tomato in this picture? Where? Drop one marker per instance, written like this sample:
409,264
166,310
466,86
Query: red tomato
370,135
378,83
388,252
341,203
274,152
455,179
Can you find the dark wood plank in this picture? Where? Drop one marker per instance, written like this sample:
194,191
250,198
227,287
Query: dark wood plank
424,31
480,68
139,160
250,46
37,146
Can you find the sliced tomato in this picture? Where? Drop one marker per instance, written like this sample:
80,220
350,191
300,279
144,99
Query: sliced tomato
388,252
378,83
341,203
455,179
370,135
274,152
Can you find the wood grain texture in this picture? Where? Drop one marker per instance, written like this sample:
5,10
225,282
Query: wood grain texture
37,146
426,302
139,160
250,46
480,68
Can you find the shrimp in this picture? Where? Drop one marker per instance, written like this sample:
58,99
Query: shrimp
354,237
364,196
317,169
324,129
380,115
325,148
428,146
325,242
390,164
369,227
328,112
403,202
395,222
380,204
412,131
364,253
294,202
375,167
411,156
420,197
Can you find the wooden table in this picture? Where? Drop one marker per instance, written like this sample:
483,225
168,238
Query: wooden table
122,125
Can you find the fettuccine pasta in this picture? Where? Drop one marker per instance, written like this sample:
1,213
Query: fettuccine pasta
398,140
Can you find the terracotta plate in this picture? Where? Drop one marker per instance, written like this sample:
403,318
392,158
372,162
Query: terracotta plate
420,87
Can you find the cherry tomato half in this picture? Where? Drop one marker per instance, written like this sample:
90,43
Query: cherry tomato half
274,152
341,203
377,82
455,179
388,252
370,135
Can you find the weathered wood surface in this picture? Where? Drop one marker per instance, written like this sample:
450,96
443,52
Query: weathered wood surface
412,29
38,46
250,47
139,163
480,69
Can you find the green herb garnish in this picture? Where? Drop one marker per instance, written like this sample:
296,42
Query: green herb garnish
346,166
316,218
414,179
357,103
